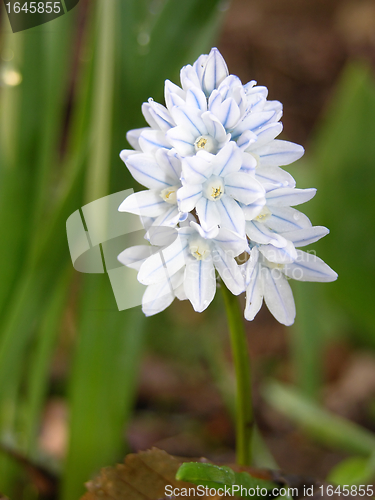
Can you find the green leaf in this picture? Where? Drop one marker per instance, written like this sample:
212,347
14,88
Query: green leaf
352,471
323,425
217,477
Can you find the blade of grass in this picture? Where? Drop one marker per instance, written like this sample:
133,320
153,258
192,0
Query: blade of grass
326,427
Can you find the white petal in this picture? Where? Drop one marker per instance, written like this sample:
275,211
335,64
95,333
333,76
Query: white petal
274,177
215,128
161,236
228,160
276,107
189,77
287,219
206,234
134,257
169,161
196,169
303,237
168,218
200,282
278,153
260,234
215,70
231,242
164,264
174,95
132,136
181,140
125,153
151,140
180,292
281,255
196,99
208,213
190,119
147,172
252,121
253,210
231,215
227,111
157,116
284,197
188,196
268,133
278,296
229,271
254,290
157,297
248,163
246,140
243,187
308,267
148,203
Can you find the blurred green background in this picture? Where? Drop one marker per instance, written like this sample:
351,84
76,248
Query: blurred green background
81,383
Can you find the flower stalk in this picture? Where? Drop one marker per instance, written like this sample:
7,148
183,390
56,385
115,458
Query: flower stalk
240,353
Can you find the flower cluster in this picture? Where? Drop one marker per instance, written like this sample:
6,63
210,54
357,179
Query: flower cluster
217,201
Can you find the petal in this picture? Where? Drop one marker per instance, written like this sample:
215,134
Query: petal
200,282
208,214
252,121
303,237
169,161
132,136
181,140
215,70
253,210
278,153
308,267
188,197
168,218
281,255
231,242
229,271
287,219
226,111
164,264
190,119
195,98
268,133
196,169
228,160
174,95
274,177
161,236
278,296
151,140
148,203
231,215
157,116
243,187
189,77
215,128
147,172
246,140
157,297
254,290
261,234
134,257
248,163
283,197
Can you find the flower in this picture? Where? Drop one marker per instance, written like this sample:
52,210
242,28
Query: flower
211,162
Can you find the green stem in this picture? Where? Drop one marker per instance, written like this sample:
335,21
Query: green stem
244,409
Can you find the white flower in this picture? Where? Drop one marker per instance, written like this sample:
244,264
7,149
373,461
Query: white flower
214,185
211,162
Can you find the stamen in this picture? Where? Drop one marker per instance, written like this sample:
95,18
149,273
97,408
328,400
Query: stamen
205,143
169,195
